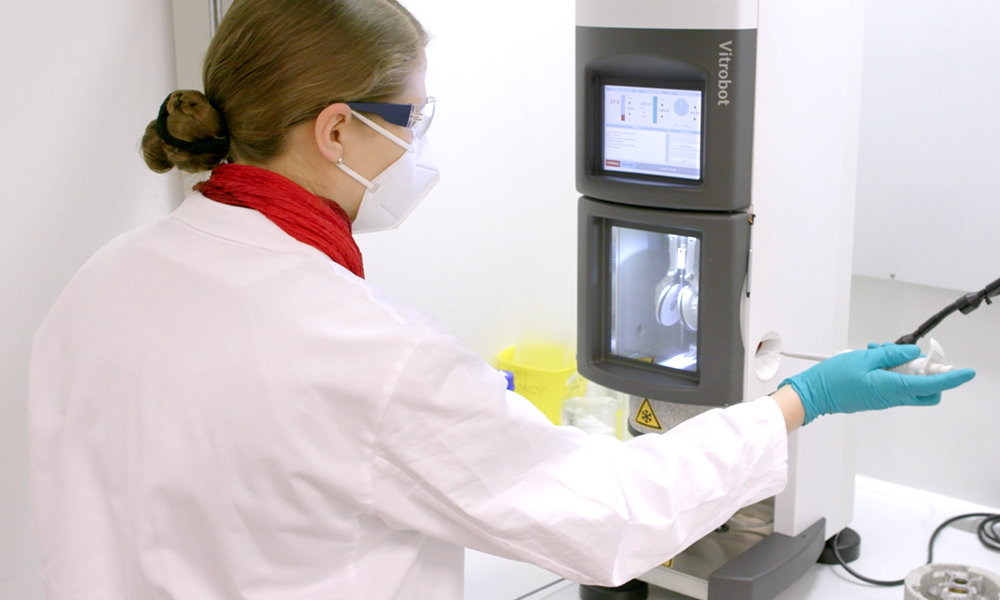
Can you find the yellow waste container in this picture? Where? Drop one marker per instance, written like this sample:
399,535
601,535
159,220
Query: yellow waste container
545,387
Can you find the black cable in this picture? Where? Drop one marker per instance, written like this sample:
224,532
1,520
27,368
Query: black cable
966,304
533,592
986,531
843,563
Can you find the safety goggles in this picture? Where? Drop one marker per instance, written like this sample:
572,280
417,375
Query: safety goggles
415,117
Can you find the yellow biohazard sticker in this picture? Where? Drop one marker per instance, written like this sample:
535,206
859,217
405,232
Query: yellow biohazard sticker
646,417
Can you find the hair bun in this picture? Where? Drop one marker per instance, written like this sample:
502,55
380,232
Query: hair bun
189,133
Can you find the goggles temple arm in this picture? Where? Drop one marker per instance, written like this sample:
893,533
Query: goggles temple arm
392,137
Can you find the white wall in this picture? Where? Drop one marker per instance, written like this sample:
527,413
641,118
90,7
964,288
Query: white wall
927,208
496,238
80,82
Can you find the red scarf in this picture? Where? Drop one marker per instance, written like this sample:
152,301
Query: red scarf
301,214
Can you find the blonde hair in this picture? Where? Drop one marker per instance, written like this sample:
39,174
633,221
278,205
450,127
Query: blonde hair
276,63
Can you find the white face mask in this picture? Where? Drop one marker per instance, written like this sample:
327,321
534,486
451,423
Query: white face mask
395,192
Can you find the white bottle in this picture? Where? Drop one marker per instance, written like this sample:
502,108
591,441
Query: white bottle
932,364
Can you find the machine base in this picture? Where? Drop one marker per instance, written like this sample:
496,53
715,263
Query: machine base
848,544
633,590
760,573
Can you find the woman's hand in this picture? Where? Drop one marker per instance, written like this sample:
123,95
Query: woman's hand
856,381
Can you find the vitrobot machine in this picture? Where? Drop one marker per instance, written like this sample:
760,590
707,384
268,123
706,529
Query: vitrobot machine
716,155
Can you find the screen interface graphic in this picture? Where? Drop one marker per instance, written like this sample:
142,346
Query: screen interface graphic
653,131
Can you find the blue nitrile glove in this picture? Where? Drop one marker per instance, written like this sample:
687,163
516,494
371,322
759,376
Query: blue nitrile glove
855,381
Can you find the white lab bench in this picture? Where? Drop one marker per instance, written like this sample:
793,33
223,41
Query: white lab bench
895,523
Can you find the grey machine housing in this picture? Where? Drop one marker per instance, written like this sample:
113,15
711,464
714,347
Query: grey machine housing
714,207
692,59
725,239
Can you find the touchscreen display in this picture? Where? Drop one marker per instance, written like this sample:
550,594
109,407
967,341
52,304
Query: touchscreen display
653,131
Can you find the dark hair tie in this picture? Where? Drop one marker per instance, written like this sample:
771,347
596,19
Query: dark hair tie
212,145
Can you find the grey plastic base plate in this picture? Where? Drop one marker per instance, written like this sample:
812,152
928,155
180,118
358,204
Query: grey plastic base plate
760,573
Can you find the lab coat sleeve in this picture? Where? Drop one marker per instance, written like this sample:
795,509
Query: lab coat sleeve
459,458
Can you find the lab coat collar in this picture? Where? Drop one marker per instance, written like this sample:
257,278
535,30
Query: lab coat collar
237,224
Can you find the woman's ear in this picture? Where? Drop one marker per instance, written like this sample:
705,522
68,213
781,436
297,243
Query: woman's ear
329,129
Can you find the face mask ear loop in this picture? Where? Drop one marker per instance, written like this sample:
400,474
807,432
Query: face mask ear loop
383,131
370,186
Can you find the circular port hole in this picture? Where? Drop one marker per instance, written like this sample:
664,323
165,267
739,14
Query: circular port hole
767,357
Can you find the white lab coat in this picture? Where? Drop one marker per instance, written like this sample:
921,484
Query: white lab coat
219,411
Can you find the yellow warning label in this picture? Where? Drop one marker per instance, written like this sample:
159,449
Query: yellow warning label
646,417
646,359
669,564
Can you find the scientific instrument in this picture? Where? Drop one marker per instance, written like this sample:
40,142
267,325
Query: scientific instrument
716,144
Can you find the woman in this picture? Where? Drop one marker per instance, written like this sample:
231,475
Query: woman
222,407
